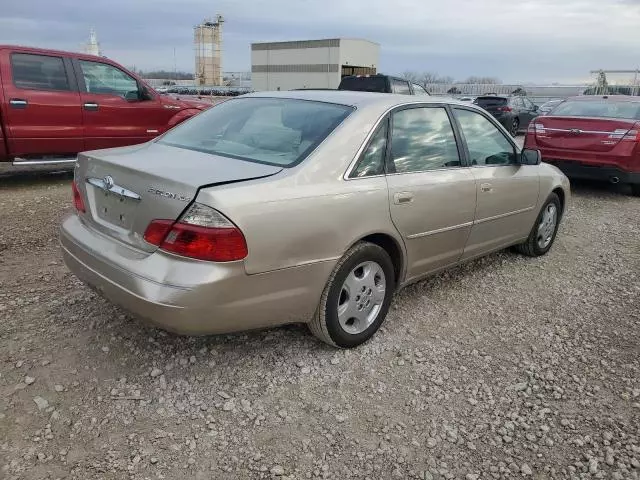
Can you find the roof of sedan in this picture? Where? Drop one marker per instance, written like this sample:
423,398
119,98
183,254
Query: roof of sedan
356,99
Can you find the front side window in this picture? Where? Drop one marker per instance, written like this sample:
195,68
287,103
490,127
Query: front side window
422,139
275,131
372,160
39,72
400,86
517,103
487,145
528,104
106,79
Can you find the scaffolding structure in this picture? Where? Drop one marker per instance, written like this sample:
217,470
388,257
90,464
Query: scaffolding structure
92,47
207,42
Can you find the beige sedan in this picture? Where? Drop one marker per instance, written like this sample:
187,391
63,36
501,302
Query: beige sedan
303,206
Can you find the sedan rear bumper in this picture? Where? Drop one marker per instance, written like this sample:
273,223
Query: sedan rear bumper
187,296
574,169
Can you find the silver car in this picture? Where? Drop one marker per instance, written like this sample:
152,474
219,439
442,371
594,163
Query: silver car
305,206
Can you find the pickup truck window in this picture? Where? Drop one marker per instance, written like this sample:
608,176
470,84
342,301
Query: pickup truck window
38,72
418,90
107,79
400,86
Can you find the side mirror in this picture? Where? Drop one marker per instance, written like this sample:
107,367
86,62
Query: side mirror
132,96
536,108
529,156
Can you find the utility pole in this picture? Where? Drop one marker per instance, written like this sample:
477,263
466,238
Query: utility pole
175,67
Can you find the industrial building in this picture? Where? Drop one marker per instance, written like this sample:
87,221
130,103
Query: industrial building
311,63
207,43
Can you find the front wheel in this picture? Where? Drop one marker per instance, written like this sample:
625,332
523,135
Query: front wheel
515,126
544,230
357,296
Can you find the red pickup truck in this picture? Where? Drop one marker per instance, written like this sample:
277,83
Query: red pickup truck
55,104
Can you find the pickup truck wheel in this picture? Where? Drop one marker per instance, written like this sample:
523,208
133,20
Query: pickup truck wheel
544,230
357,296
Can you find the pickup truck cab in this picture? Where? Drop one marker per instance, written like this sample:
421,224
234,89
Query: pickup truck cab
380,83
55,104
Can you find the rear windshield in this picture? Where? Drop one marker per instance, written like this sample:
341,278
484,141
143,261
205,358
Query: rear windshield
598,108
491,101
364,84
274,131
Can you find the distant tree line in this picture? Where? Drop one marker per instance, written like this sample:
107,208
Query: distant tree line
163,74
426,78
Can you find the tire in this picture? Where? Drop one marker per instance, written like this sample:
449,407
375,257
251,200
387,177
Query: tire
339,298
635,189
534,246
515,126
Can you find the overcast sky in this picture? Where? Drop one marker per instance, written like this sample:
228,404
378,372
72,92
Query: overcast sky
515,40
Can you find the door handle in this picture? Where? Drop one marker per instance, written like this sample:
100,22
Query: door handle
402,197
18,103
486,187
91,106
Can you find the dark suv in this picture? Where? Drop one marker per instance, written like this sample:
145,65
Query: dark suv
380,83
514,112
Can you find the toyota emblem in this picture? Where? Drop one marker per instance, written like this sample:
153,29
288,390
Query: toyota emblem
108,182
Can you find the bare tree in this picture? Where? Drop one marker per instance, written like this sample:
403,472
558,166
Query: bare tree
483,80
410,76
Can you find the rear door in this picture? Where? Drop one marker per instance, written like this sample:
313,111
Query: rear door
115,109
507,192
41,105
432,195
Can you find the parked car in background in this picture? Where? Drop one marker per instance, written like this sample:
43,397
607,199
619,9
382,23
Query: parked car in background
303,206
380,83
592,137
55,104
548,106
514,112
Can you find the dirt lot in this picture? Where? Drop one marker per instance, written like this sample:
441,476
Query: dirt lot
508,367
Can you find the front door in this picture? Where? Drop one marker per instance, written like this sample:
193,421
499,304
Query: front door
116,111
41,105
432,195
507,192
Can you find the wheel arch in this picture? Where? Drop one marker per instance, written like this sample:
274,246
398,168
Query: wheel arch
393,247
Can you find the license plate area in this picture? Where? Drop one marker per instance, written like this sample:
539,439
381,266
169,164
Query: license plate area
114,209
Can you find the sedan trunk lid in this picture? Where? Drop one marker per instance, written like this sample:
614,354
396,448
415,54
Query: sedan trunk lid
581,133
126,188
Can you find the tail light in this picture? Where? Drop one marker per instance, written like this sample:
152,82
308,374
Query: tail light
78,202
505,109
538,128
202,233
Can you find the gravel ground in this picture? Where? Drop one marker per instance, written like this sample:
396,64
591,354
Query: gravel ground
507,367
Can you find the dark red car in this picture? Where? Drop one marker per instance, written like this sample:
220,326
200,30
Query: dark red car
55,104
592,137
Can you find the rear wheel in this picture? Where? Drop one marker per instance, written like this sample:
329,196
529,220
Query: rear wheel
544,230
357,296
515,126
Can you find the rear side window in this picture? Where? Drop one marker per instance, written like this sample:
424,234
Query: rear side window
275,131
364,84
422,139
598,108
39,72
372,160
400,86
